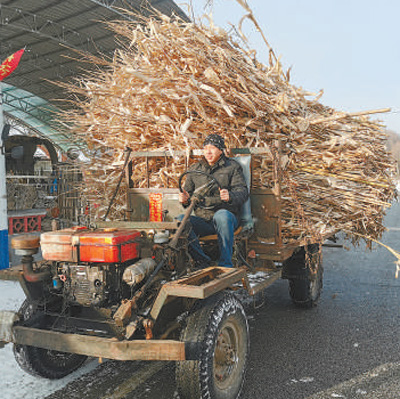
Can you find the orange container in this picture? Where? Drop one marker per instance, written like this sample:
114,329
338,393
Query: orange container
61,245
108,245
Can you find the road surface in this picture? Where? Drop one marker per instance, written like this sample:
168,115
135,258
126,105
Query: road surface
346,347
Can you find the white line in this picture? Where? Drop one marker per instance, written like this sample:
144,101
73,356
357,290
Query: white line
375,378
146,372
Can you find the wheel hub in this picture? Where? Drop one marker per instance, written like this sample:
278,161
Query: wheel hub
226,356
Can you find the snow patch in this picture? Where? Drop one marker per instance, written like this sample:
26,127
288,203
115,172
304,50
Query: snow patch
14,382
304,380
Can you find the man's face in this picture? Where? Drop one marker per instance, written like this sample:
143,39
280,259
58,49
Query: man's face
211,153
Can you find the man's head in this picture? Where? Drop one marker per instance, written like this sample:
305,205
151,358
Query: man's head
213,147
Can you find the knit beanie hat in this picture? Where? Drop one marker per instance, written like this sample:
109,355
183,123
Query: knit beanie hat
216,140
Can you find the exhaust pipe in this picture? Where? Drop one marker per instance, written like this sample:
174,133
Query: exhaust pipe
29,274
27,246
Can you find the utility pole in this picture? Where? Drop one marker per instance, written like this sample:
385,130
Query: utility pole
4,255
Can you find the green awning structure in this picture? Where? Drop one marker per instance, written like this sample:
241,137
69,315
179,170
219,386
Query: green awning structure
51,31
36,113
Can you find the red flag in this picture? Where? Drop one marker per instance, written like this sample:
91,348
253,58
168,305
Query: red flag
10,64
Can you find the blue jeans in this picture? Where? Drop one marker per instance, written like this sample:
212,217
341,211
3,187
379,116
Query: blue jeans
224,224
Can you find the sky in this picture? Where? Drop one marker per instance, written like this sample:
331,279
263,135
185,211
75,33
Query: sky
348,48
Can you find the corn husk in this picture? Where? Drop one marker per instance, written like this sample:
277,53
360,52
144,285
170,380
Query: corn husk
171,83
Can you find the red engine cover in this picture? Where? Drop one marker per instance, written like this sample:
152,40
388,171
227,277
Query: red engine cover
61,245
108,245
84,245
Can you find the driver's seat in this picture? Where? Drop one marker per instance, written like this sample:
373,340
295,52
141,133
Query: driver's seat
246,223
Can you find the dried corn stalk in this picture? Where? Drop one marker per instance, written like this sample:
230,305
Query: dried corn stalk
172,83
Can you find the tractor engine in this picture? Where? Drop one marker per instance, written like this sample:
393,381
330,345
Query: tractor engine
90,285
90,264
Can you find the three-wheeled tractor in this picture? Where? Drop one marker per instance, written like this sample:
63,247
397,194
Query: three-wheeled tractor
127,290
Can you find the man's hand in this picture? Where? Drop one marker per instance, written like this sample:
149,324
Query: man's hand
224,194
184,197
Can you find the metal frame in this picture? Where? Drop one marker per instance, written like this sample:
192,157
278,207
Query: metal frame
34,116
199,285
44,27
50,31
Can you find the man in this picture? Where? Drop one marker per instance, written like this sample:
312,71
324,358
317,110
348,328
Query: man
218,213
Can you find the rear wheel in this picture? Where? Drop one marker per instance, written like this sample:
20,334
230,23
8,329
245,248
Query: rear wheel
306,281
220,329
43,362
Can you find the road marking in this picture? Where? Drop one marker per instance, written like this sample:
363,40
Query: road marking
141,376
360,384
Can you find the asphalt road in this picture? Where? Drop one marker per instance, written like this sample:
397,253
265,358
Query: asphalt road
346,347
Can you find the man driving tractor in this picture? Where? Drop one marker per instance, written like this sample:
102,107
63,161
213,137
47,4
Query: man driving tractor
218,213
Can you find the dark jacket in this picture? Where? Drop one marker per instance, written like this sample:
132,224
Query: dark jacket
230,176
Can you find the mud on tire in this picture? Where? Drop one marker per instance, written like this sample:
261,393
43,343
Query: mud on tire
220,328
43,362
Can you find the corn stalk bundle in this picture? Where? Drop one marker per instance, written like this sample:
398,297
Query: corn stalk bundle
172,83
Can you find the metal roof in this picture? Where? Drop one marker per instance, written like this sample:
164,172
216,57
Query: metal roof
50,30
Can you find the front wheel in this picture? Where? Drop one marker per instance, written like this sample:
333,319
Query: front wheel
41,362
220,328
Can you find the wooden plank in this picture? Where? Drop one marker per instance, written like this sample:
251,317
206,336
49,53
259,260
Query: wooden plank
11,273
30,177
100,347
197,152
221,278
198,277
223,281
137,225
263,283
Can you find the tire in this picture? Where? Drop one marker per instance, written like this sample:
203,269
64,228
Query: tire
220,327
41,362
305,290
